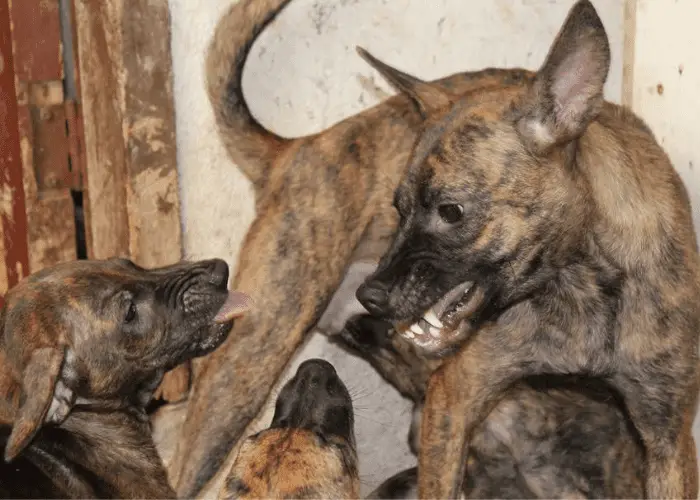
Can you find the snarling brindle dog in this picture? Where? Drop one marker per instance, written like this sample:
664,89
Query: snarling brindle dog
83,345
544,231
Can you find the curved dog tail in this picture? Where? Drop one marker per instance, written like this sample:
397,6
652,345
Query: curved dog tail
252,147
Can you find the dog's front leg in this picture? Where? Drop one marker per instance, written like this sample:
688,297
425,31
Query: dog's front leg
460,395
663,414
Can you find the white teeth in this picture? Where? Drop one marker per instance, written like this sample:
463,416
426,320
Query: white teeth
409,334
415,328
434,332
432,318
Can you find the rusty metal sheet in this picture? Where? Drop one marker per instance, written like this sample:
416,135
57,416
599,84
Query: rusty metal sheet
14,254
36,30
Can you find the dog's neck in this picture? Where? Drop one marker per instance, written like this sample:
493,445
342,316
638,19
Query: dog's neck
119,448
119,440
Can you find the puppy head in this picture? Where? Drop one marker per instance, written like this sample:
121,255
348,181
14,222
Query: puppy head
309,449
491,198
107,330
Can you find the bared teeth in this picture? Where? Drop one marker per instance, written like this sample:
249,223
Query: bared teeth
415,328
434,332
432,319
409,334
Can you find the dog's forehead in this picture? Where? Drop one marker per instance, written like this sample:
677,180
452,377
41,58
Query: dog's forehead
69,272
482,116
71,281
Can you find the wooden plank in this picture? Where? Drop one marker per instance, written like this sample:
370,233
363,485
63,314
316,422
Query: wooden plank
152,194
75,118
38,60
129,134
37,40
14,254
50,222
99,47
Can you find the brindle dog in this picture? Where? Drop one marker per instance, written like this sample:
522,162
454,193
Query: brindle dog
323,209
83,346
544,230
309,449
547,438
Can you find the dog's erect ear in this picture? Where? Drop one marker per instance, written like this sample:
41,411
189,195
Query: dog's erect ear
568,89
427,97
38,403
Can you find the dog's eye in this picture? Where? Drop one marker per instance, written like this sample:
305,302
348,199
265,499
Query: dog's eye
451,212
130,313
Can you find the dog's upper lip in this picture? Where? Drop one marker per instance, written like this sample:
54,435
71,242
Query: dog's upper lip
236,303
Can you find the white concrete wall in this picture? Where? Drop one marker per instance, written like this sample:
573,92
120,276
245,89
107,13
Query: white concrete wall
665,88
303,76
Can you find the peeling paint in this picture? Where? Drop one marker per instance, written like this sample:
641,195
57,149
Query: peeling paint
153,190
19,269
6,203
147,130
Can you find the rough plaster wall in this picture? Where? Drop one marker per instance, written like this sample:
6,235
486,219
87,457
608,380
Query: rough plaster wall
666,85
304,75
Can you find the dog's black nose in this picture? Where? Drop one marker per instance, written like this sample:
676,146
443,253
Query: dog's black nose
218,272
316,371
374,298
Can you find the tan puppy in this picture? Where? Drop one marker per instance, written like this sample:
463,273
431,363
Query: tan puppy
309,449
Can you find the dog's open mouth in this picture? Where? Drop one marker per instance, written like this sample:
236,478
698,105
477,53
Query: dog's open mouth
235,305
441,324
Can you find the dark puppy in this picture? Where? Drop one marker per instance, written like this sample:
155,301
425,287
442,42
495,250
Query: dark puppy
83,346
308,450
547,437
544,230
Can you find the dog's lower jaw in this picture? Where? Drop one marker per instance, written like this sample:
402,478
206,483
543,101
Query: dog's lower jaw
446,325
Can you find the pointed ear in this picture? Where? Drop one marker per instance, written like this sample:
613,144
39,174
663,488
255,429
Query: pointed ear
568,88
427,97
43,398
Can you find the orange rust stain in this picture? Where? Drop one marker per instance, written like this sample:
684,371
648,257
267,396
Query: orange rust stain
660,89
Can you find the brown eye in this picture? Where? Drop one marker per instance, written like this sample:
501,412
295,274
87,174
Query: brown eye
130,313
451,212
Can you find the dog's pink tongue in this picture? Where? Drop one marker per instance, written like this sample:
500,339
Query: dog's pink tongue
236,304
